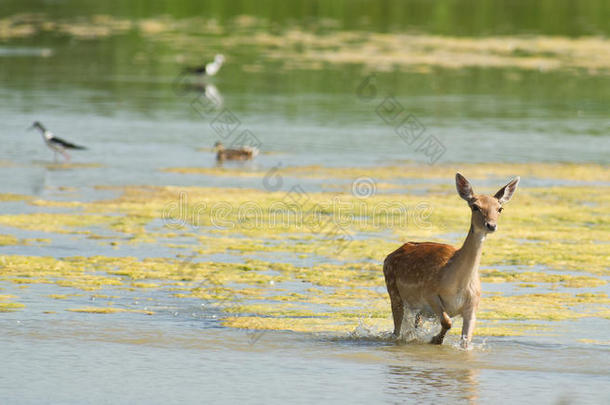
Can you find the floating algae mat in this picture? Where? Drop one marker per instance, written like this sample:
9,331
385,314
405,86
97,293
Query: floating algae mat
563,171
265,260
6,305
297,48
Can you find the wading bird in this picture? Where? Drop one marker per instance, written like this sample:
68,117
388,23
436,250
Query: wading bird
57,145
434,279
209,69
243,153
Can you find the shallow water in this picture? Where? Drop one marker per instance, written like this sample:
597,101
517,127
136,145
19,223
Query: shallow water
117,94
183,354
183,357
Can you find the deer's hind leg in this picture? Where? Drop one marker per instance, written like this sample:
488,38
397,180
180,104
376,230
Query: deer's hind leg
398,310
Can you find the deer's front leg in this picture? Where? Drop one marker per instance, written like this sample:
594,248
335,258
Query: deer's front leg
439,309
470,317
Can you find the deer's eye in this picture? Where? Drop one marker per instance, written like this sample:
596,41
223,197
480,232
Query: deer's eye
500,209
475,208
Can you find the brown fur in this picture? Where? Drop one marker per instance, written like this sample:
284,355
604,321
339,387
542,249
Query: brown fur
421,257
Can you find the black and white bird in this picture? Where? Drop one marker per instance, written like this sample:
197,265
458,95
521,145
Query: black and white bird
54,143
209,69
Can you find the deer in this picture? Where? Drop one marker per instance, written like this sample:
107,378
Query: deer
437,280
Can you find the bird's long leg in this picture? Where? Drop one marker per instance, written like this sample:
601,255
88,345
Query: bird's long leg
55,156
66,156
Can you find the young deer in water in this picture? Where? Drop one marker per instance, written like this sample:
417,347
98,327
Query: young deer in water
437,279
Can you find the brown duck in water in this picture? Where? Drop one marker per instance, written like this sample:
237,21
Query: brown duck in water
243,153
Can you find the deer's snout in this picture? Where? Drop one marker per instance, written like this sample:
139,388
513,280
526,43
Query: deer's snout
490,227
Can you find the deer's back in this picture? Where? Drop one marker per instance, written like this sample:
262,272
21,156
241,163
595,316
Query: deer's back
417,262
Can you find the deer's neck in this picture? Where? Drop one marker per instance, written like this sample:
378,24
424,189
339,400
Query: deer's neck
468,256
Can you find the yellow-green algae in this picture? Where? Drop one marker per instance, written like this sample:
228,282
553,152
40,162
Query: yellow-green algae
305,49
549,306
92,273
535,229
63,296
532,225
595,342
348,303
349,325
56,222
8,240
343,305
9,306
565,280
72,165
562,171
109,310
13,197
540,227
66,273
550,229
555,227
298,48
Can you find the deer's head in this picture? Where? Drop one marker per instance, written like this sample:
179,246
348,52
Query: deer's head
485,209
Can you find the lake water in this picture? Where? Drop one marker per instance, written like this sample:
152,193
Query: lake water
121,93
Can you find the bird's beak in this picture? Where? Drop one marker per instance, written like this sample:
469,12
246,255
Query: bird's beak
31,127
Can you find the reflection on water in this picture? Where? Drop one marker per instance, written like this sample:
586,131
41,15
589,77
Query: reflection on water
426,385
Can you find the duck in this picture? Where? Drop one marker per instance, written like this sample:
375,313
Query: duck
56,144
209,69
242,153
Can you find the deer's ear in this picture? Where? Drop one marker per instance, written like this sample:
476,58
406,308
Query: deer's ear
464,188
505,193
